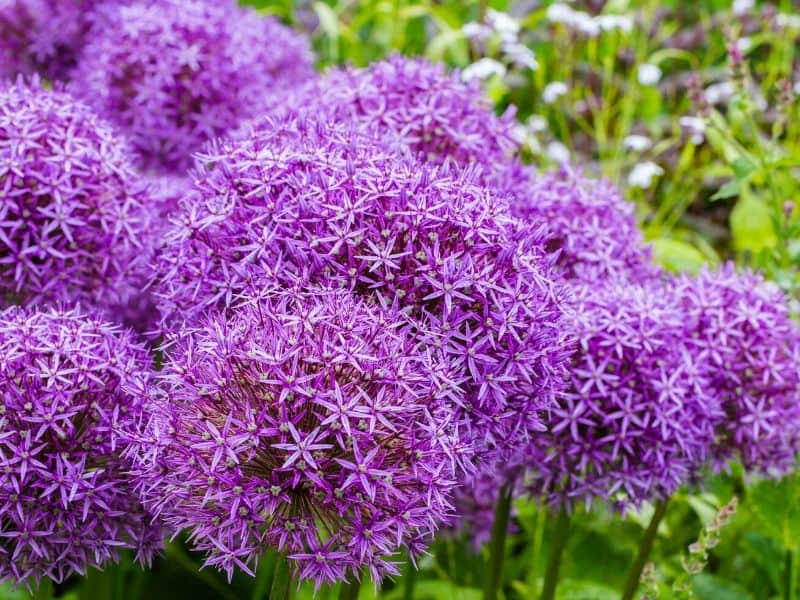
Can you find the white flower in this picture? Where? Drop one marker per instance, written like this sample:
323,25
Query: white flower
796,88
643,173
741,7
788,21
504,24
526,137
476,31
557,152
696,128
611,22
483,69
560,13
553,91
637,143
718,93
648,74
743,44
537,123
521,55
573,19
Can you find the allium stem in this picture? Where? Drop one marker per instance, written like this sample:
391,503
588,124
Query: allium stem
175,551
497,546
409,580
281,580
43,590
788,575
645,546
560,537
349,590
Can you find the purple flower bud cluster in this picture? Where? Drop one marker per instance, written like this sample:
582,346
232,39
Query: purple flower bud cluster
174,74
43,37
301,423
316,202
418,104
636,420
743,336
72,386
73,217
589,224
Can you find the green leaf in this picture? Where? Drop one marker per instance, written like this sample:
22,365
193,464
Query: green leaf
709,587
751,225
677,256
776,504
729,190
585,590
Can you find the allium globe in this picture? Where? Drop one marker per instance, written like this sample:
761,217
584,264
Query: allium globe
313,201
591,226
72,387
418,103
74,220
636,421
174,74
300,422
742,334
43,37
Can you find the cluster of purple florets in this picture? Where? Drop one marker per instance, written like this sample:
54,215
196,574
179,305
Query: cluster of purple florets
369,315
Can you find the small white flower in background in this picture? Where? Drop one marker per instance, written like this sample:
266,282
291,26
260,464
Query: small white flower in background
741,7
612,22
553,91
476,31
718,93
796,88
788,21
504,24
526,137
557,152
642,174
521,55
483,69
743,44
573,19
637,143
648,74
537,123
696,128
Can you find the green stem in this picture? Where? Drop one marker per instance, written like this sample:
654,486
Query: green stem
409,580
497,546
560,537
175,551
788,575
349,590
43,590
645,546
281,588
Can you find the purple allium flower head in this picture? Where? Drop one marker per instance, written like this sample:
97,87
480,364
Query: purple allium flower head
635,422
72,386
174,74
422,105
589,223
73,218
299,422
43,36
741,332
313,201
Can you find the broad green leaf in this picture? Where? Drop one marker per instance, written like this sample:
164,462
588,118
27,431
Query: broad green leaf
776,504
751,225
678,256
709,587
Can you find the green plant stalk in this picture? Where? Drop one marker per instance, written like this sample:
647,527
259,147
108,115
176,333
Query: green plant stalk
645,547
409,580
43,590
281,588
560,537
788,575
175,552
349,590
497,546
